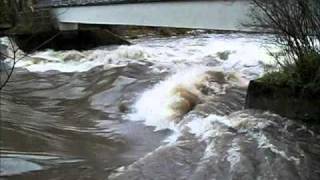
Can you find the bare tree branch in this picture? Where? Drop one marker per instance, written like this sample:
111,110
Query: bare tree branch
296,27
15,59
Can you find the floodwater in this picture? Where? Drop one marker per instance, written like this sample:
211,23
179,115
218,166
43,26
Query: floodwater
162,108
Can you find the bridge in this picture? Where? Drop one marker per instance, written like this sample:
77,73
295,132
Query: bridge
197,14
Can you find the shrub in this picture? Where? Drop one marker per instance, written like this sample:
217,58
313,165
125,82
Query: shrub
304,75
296,25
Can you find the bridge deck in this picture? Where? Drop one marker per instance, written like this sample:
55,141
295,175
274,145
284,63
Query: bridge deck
197,14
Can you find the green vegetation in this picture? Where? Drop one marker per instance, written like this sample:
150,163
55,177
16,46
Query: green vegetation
296,24
20,17
5,16
303,75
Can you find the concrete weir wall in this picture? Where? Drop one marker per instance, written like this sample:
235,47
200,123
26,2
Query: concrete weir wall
217,14
66,40
292,103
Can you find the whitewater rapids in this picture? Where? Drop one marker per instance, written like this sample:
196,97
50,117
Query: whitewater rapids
195,88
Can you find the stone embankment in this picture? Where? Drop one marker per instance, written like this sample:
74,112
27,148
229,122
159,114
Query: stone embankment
292,103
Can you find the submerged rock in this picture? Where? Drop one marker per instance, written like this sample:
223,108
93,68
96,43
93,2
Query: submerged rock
123,107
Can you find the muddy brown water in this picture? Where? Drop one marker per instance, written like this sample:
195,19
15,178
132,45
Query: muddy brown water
48,122
83,125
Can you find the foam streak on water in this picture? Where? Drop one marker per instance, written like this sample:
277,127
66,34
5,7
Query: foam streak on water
227,139
196,90
242,51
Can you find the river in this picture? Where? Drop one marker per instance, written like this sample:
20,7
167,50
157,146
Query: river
162,108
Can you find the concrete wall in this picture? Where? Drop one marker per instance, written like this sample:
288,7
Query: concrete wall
294,103
219,15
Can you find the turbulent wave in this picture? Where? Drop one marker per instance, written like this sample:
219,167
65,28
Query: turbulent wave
167,102
242,145
195,87
213,138
242,53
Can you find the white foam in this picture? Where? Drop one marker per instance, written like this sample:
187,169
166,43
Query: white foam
204,129
52,60
4,41
247,54
233,155
76,61
153,106
264,143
